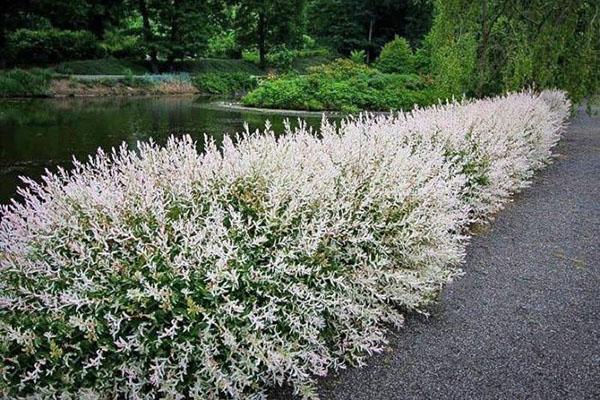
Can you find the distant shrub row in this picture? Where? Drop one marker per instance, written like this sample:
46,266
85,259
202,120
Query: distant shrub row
42,47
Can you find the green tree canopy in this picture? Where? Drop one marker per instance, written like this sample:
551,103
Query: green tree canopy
495,45
266,23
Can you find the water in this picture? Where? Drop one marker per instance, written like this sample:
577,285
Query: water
45,133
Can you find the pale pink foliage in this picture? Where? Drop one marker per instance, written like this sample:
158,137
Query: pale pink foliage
252,252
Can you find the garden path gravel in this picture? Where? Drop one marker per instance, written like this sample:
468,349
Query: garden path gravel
524,321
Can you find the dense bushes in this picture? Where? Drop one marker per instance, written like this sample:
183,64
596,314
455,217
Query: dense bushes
281,58
342,85
162,273
123,44
20,83
224,83
28,47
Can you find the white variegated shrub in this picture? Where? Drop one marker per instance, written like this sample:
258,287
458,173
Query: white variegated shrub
160,272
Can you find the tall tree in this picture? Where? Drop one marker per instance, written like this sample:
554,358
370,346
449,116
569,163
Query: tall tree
491,46
95,16
368,24
147,35
265,23
174,29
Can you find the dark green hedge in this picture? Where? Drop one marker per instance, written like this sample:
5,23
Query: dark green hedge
42,47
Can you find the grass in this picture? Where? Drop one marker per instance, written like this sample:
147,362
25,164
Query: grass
25,83
105,66
217,65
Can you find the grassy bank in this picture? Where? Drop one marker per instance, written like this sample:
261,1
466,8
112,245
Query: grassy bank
128,85
121,77
25,83
227,83
106,66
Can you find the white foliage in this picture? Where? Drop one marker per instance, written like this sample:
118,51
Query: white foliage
161,272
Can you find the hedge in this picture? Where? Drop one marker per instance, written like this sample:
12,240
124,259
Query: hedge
159,272
37,47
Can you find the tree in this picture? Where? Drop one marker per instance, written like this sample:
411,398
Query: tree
95,16
508,44
265,23
174,29
347,25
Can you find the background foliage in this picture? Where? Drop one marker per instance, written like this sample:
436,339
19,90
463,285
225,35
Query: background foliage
491,46
460,47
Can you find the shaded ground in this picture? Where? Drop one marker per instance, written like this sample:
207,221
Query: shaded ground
524,322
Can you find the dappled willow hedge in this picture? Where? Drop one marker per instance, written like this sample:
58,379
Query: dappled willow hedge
164,273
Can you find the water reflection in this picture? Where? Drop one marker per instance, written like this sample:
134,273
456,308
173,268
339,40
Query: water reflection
43,133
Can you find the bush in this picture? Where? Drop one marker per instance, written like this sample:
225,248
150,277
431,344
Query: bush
308,42
21,83
342,85
251,56
224,83
358,56
301,65
29,47
223,45
396,57
122,44
105,66
280,58
292,92
162,273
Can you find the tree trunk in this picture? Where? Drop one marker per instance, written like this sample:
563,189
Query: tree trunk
485,36
371,23
262,38
175,50
2,42
147,32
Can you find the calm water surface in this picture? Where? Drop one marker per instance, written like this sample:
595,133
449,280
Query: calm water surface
44,133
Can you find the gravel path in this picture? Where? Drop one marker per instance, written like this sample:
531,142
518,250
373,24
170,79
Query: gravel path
524,322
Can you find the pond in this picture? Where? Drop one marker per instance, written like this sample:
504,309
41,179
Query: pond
45,133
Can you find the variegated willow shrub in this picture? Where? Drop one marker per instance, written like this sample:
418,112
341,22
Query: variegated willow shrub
159,272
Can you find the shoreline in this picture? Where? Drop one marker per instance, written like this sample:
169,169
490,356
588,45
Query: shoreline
237,106
82,88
